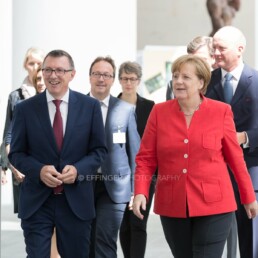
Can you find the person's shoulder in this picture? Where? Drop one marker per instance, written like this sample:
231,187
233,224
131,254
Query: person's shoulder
121,106
250,71
216,104
144,100
165,107
31,101
166,104
15,93
216,72
82,97
121,102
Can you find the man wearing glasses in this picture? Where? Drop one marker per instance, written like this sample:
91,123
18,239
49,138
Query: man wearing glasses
114,181
58,142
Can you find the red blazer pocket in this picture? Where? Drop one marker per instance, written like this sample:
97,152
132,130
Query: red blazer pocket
211,191
211,141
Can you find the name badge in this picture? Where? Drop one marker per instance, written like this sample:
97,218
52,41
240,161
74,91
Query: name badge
119,137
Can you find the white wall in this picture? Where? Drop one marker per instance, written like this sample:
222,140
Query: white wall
6,75
175,23
85,29
5,57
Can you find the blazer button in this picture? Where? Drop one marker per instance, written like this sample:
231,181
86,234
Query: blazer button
186,140
184,170
185,156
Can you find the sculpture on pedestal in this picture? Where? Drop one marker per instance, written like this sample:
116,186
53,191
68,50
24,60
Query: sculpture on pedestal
222,12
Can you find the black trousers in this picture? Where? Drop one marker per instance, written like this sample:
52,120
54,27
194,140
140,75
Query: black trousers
133,234
105,226
72,233
197,237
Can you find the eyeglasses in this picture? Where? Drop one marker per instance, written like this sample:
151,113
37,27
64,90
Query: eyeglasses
58,71
131,80
105,76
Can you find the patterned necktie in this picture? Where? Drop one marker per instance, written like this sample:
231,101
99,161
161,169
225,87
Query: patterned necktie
228,88
58,132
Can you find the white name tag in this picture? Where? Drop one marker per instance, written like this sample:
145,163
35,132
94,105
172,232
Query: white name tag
119,137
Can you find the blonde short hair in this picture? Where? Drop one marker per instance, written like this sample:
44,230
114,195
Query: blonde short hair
33,51
202,68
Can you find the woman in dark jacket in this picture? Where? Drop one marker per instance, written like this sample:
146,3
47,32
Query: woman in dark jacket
133,234
33,58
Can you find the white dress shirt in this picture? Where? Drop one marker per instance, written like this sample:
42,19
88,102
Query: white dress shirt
236,76
235,79
63,108
104,107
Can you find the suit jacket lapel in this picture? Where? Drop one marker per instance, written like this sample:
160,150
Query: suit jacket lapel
111,104
73,111
218,86
43,114
243,84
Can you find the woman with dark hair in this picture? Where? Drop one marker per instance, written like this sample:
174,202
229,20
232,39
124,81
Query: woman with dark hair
133,231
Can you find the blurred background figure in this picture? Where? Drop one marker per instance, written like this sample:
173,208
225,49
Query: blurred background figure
114,181
38,80
33,59
133,233
200,46
222,13
3,173
3,164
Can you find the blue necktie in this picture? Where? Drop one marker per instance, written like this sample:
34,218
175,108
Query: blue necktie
228,88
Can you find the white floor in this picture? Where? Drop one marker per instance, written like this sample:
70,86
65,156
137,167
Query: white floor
12,244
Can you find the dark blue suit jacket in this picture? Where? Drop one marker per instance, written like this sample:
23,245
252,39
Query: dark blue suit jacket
245,108
33,146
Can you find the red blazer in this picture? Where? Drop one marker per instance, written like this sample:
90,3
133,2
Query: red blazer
192,163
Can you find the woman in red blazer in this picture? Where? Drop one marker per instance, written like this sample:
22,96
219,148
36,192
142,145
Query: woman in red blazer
192,140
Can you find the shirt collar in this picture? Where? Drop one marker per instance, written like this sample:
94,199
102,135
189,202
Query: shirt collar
105,100
236,72
65,98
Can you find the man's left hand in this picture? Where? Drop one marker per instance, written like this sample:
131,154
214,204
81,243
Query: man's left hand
241,137
68,175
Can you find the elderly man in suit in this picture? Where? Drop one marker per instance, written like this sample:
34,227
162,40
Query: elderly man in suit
114,184
58,142
237,84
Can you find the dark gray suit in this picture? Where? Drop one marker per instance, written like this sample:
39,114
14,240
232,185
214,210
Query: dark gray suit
115,188
245,108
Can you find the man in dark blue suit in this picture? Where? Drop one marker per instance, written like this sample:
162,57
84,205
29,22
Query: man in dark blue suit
229,44
57,190
114,184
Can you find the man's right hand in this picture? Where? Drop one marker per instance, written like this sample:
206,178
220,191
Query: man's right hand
17,174
48,176
3,176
